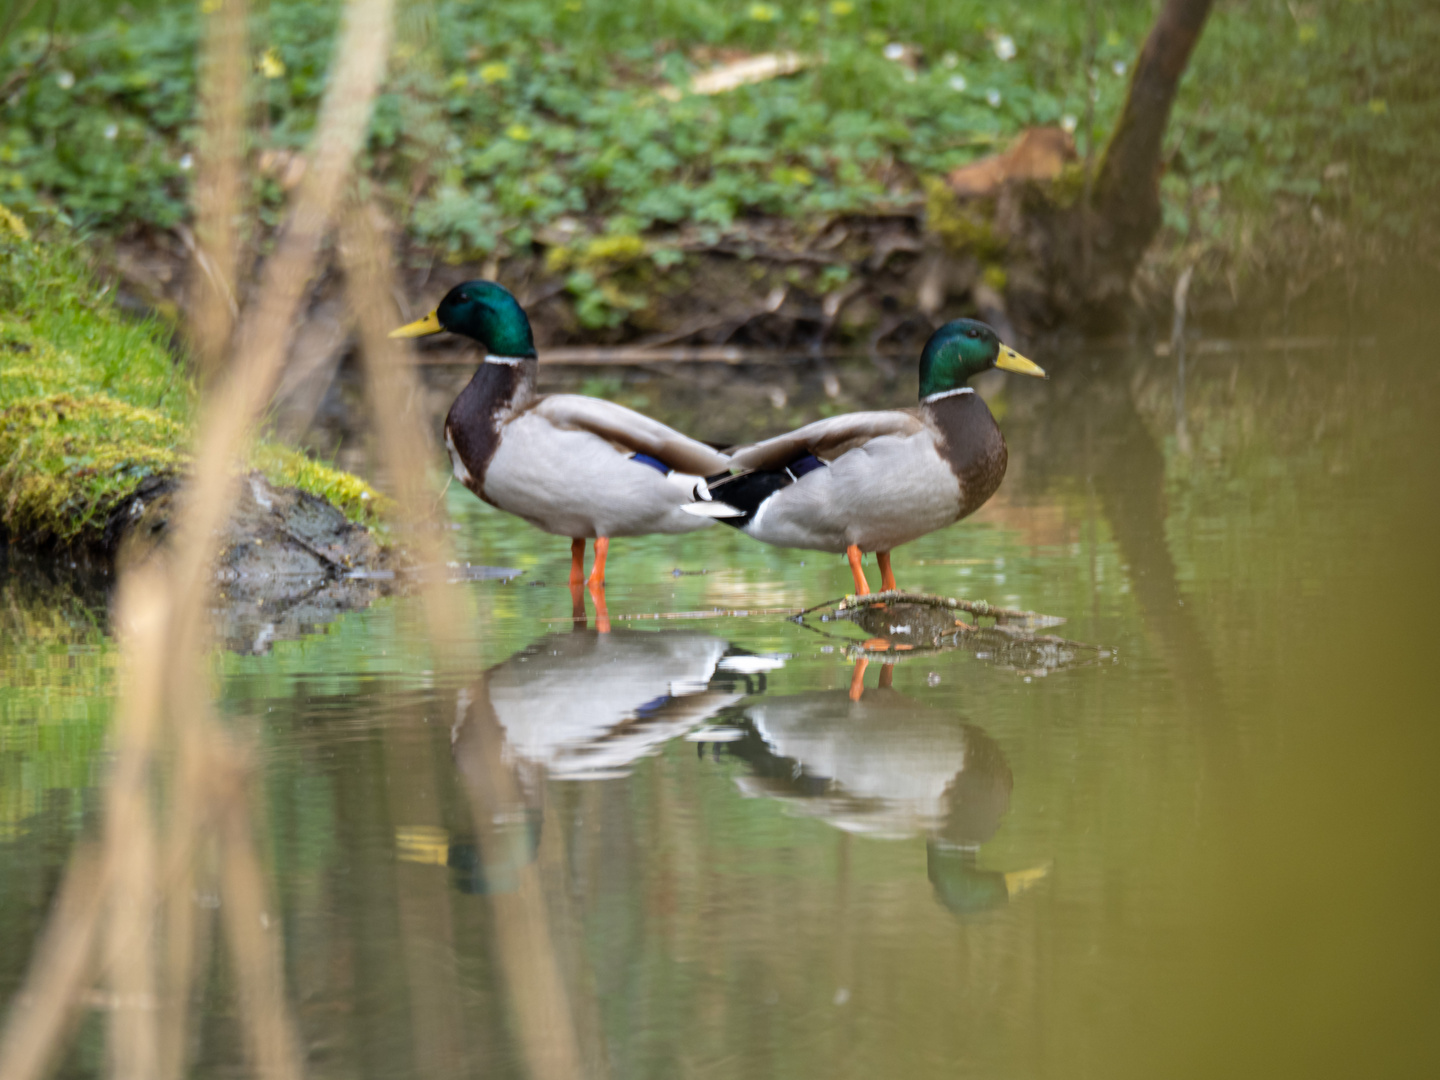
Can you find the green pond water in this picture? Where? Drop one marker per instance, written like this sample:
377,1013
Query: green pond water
1207,850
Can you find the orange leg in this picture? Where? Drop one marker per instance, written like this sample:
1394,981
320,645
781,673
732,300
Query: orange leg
602,613
887,579
577,605
597,570
862,587
577,562
596,584
857,680
887,676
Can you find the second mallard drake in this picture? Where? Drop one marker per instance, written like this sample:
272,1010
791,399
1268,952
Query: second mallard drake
871,481
572,465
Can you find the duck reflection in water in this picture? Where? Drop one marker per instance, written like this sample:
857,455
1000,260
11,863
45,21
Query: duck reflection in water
880,764
577,705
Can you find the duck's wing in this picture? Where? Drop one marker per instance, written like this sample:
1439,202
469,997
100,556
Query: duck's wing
825,439
633,430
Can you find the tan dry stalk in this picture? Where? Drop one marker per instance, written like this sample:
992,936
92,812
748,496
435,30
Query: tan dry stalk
534,979
218,182
165,644
228,417
395,398
45,1009
253,935
426,919
143,609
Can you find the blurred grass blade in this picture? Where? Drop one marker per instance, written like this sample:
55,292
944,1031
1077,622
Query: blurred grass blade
46,1006
218,185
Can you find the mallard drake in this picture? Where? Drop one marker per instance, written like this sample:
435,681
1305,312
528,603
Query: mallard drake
572,465
871,481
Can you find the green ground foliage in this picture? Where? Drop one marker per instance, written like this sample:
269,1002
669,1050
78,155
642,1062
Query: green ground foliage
546,120
92,403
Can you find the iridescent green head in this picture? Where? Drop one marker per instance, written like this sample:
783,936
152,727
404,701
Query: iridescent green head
962,349
482,311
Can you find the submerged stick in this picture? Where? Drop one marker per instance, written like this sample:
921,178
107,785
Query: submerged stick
713,613
898,596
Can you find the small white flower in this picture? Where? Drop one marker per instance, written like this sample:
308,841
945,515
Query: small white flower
1069,123
958,83
111,130
894,51
951,59
65,79
992,97
187,162
1005,47
1118,67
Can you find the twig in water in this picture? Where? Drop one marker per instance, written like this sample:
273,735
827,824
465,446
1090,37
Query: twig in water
897,596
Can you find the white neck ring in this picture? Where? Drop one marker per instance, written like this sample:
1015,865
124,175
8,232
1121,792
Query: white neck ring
508,361
948,393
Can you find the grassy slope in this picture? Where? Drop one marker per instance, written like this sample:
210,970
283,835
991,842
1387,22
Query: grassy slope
91,403
541,120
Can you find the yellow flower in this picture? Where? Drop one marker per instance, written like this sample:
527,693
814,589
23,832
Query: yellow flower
1308,33
841,8
764,12
11,223
209,7
1378,106
518,132
270,65
459,81
798,174
499,71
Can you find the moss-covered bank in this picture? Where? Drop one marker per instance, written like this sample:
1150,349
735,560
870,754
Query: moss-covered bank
93,405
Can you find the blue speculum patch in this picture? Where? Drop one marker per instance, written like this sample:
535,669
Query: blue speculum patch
654,463
808,463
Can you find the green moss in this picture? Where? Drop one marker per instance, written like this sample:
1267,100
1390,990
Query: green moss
285,466
995,277
70,458
92,403
963,228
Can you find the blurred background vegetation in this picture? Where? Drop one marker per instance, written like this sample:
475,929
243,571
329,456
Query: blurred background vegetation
546,122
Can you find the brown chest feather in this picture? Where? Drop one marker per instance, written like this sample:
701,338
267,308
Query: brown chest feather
971,443
472,427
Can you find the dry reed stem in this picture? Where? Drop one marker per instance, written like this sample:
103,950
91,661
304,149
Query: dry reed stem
142,612
166,636
395,396
526,947
254,940
224,69
426,918
228,417
523,936
218,182
45,1009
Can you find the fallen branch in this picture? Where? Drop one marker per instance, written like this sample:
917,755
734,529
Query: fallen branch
897,596
713,613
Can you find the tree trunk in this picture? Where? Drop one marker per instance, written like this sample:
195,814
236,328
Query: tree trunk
1126,200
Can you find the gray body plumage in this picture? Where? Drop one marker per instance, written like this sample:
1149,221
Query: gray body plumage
588,704
893,476
563,462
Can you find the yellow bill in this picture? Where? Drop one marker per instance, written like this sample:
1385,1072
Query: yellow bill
1017,881
1010,360
430,324
423,844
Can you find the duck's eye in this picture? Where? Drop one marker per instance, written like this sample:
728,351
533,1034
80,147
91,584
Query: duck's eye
972,333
